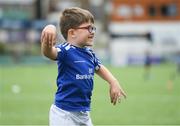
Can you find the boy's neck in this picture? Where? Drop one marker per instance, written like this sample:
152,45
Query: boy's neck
75,44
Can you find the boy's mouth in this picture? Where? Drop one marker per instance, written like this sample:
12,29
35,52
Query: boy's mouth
91,37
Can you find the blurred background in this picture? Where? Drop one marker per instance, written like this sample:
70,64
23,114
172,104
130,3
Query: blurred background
138,40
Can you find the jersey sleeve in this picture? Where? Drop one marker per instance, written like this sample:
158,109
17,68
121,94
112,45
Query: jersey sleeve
61,52
97,62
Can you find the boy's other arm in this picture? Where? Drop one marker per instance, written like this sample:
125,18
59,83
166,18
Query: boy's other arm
116,92
48,40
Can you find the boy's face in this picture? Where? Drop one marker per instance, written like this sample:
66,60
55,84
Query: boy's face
85,34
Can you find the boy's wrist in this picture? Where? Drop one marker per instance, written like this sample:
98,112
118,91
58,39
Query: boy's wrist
114,81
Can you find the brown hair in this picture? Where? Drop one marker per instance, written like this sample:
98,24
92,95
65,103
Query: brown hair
72,18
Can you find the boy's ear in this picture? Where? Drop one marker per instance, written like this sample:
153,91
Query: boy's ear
71,33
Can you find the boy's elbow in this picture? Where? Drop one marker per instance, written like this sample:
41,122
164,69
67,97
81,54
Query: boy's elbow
48,55
44,53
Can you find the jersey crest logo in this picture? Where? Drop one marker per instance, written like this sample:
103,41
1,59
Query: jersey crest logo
90,70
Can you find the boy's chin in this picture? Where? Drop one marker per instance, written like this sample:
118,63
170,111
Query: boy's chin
89,44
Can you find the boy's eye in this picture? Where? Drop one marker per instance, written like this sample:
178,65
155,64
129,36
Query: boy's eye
91,29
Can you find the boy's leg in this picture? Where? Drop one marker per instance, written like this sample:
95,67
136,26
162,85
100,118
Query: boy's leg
81,118
59,117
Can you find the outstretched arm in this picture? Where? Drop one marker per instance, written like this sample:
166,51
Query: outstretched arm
48,40
116,92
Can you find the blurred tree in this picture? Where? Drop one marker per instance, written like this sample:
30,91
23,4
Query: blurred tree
2,48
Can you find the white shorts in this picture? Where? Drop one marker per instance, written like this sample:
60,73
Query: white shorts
59,117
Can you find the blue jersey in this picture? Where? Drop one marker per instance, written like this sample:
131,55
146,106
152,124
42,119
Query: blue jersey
76,67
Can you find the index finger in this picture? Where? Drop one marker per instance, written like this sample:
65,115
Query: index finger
124,94
42,36
53,40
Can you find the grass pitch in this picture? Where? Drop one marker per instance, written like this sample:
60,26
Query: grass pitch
27,92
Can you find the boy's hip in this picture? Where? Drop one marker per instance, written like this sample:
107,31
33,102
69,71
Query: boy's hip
64,117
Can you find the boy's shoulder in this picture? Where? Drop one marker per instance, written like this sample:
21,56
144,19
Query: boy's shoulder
67,47
63,46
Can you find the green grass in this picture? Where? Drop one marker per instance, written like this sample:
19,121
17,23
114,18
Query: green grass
148,102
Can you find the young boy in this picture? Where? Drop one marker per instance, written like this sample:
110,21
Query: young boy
147,65
77,64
